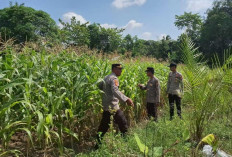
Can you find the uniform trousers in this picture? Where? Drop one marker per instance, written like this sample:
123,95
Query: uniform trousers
172,99
118,118
152,111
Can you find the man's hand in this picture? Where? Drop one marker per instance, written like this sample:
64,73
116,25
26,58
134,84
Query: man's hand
179,76
130,102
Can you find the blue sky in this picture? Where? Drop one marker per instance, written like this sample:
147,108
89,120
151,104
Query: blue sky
149,19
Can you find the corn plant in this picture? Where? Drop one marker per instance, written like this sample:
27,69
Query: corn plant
53,100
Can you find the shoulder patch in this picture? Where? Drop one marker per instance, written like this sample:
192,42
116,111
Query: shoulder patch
116,82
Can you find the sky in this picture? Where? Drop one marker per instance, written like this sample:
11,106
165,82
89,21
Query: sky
148,19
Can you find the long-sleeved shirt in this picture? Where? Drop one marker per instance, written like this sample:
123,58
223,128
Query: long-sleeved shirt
153,90
175,84
111,95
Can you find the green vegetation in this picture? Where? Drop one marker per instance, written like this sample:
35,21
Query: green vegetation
167,138
26,24
50,103
206,112
212,34
52,99
216,30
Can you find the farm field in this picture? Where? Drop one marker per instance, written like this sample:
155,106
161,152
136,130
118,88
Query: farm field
54,56
51,106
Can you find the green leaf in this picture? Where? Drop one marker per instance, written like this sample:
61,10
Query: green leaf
186,135
68,131
47,133
28,133
49,119
45,90
209,139
40,124
69,113
9,85
15,152
157,151
142,147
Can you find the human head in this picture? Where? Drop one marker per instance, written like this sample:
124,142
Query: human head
173,67
150,71
117,69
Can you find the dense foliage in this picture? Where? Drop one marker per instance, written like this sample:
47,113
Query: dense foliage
217,29
212,34
192,23
26,24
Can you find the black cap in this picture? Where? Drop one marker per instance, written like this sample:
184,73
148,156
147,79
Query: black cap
117,66
150,69
173,65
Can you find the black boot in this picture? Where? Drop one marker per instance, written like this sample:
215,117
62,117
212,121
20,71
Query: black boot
99,139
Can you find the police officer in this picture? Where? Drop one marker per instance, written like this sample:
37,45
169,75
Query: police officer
153,93
110,100
174,90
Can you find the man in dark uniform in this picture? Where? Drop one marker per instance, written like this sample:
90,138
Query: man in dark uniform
110,101
174,90
153,93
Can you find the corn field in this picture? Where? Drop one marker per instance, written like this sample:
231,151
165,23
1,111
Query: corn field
51,99
50,102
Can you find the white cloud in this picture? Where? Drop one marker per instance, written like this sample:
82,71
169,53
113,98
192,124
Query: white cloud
161,36
106,25
68,16
127,3
60,25
132,24
147,36
198,5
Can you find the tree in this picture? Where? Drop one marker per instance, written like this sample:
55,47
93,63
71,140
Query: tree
26,24
110,39
139,47
191,22
164,48
152,48
94,35
128,43
217,29
74,33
